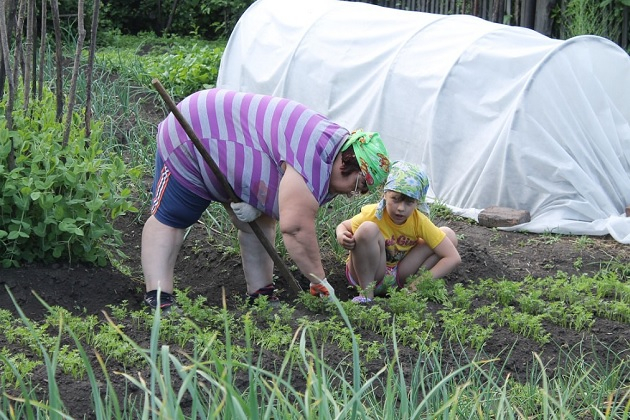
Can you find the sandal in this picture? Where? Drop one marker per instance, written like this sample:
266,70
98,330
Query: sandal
166,300
263,291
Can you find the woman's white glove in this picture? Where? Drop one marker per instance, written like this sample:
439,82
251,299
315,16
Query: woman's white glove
245,212
322,289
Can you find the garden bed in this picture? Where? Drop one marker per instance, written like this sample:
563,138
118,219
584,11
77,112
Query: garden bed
206,271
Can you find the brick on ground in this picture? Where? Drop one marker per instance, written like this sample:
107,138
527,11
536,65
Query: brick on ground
502,217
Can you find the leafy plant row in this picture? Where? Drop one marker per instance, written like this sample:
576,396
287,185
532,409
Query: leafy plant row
569,301
517,306
198,360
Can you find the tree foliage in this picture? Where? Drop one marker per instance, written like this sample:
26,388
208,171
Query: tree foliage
209,19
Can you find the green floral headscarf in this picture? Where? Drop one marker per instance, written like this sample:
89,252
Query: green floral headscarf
408,179
372,156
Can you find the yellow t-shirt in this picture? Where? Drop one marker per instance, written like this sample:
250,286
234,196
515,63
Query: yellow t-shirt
399,239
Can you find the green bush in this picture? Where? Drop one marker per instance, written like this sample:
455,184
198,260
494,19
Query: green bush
182,66
58,203
186,69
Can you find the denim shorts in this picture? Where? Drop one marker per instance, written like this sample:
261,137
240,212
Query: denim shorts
172,204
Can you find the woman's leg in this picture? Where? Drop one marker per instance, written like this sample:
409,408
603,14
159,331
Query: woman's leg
160,246
173,209
257,263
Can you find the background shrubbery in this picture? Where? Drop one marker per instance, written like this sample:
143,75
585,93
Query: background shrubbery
182,65
215,19
59,202
208,19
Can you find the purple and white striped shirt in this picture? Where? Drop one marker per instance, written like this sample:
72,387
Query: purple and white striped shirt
249,136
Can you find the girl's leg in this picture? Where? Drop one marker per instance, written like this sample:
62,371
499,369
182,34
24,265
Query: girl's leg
367,259
422,256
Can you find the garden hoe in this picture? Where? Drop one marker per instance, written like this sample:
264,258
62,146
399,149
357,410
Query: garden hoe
293,284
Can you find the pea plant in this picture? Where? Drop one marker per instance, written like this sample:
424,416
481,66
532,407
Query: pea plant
59,201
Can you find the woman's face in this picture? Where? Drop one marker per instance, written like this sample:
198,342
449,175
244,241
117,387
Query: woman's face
351,184
398,206
360,186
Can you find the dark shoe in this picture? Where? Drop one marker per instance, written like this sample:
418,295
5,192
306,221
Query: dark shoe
263,291
167,301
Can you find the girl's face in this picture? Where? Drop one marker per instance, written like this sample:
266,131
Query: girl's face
398,206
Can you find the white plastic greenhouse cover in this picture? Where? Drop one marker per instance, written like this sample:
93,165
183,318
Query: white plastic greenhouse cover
497,115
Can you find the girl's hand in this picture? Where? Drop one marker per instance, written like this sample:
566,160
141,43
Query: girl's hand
346,240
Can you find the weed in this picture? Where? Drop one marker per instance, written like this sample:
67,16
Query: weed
262,309
6,317
401,301
521,323
460,326
313,303
550,238
622,269
120,311
496,235
276,336
70,362
506,291
615,311
439,210
583,242
479,335
108,341
486,312
415,332
532,303
573,316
